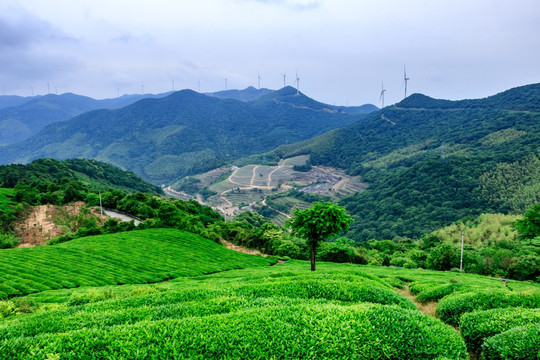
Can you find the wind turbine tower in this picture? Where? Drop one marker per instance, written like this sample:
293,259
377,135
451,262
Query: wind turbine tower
284,82
258,80
297,81
381,98
405,79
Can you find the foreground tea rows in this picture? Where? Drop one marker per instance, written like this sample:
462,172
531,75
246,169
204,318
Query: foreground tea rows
258,312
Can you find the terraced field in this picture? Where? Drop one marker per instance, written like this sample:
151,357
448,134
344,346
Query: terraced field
236,193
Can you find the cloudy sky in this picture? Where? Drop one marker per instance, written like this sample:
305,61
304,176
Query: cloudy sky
341,49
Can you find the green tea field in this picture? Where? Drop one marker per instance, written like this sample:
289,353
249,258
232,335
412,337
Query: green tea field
219,304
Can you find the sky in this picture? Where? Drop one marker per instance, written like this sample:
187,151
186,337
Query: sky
342,50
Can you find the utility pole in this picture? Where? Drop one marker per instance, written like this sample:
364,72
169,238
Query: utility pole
100,204
461,260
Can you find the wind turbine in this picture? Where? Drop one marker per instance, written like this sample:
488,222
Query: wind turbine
297,82
381,98
284,76
258,80
405,79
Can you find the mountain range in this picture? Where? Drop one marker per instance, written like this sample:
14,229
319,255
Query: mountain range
185,132
427,162
22,117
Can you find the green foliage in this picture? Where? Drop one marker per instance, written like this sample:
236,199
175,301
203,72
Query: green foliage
529,226
271,332
318,223
476,327
453,306
8,241
275,312
513,185
44,173
443,257
519,343
484,230
321,221
341,251
436,293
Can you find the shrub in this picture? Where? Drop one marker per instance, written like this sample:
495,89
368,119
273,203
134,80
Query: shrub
519,343
477,326
7,308
8,241
453,306
443,257
364,290
299,331
339,253
93,295
438,292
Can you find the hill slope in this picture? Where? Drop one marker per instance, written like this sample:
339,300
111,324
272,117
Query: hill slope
430,162
142,256
87,171
186,132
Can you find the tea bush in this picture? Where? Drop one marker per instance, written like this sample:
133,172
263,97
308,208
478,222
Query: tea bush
453,306
475,327
300,331
520,343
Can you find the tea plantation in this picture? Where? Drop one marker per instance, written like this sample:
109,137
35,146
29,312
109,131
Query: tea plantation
79,309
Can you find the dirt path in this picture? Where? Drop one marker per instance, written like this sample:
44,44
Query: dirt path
427,308
230,245
253,173
279,212
269,182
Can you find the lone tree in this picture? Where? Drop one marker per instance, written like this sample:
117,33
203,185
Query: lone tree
318,223
529,226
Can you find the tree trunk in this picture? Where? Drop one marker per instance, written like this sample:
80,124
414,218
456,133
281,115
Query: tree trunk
312,253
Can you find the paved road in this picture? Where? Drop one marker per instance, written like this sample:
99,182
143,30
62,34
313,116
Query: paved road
121,217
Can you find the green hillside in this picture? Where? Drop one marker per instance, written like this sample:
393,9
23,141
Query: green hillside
431,162
90,172
164,139
144,256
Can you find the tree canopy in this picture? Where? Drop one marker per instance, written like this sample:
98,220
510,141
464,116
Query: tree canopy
318,223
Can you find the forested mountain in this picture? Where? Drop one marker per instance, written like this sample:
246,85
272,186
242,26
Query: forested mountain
430,162
185,132
22,117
